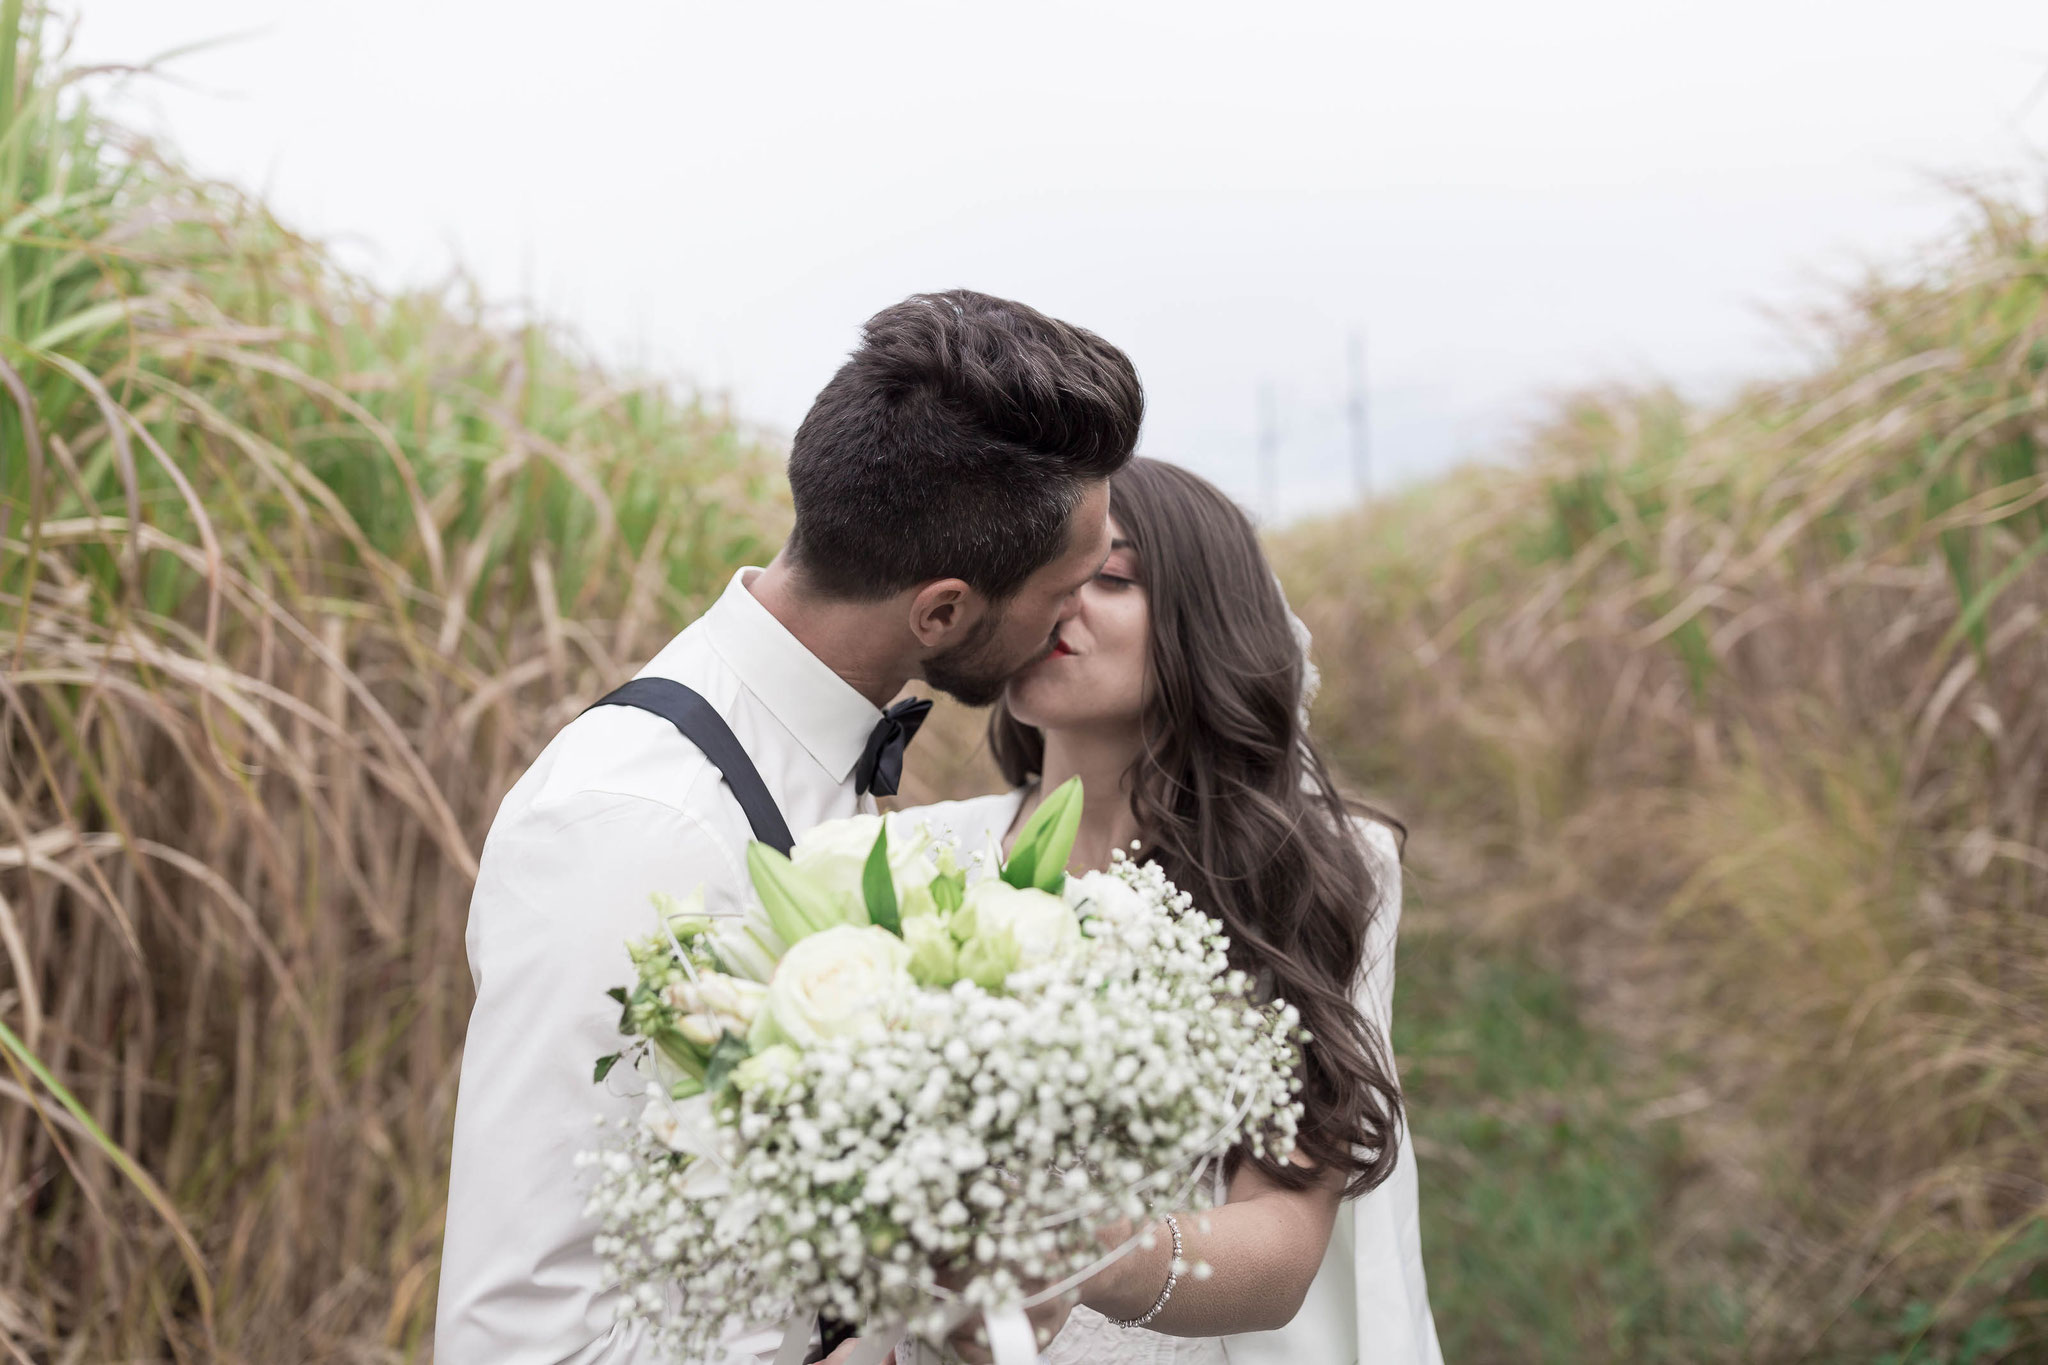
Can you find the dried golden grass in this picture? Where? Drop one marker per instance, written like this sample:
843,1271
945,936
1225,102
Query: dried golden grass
1740,713
1744,714
294,580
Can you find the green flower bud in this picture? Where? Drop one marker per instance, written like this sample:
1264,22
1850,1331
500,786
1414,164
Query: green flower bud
797,906
988,958
934,961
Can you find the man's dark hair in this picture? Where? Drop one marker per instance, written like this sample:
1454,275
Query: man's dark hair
955,443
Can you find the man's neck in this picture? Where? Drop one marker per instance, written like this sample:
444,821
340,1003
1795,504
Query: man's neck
850,637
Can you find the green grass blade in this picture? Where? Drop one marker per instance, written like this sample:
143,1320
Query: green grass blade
202,1284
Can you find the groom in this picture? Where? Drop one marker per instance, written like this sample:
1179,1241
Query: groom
951,493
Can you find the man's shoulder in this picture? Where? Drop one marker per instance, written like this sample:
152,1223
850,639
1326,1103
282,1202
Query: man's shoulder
617,797
621,751
631,753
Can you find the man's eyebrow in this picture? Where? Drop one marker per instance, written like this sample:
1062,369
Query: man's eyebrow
1116,545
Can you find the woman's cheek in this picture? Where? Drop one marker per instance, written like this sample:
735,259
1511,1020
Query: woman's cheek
1136,656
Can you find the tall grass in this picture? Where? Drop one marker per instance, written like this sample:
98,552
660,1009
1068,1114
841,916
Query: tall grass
294,578
1737,716
1741,714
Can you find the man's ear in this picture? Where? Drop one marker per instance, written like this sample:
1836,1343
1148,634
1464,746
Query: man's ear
943,611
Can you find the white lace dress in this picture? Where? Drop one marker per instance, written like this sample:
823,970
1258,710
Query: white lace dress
1090,1339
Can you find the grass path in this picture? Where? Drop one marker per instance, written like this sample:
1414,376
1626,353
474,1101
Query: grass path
1543,1187
1558,1187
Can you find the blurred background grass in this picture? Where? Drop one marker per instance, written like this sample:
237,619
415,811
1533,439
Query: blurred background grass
1723,1002
1734,719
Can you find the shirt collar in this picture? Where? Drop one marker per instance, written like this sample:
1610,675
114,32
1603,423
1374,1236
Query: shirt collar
828,717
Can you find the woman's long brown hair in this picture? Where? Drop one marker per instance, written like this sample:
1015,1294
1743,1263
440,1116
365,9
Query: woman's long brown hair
1239,808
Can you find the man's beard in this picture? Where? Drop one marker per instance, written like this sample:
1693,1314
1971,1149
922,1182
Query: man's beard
970,672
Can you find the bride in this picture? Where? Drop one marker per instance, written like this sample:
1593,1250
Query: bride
1177,692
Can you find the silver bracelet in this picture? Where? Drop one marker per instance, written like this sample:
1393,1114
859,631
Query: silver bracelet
1172,1279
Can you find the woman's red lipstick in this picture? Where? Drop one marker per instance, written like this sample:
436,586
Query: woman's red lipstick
1060,650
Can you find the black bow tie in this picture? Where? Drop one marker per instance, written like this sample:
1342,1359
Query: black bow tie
881,763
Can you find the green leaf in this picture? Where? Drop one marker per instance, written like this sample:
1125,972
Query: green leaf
949,891
617,993
879,888
1039,857
726,1054
679,1050
1059,840
604,1068
1987,1338
1022,866
797,906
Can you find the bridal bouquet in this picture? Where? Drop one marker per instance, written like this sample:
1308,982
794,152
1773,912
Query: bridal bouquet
901,1091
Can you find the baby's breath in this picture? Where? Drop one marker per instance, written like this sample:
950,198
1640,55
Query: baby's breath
986,1133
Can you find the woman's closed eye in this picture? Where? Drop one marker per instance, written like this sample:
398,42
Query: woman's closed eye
1115,582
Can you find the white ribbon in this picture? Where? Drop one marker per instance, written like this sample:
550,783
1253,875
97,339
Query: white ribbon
796,1340
1011,1339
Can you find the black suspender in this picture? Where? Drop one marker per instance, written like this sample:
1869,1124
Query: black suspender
706,729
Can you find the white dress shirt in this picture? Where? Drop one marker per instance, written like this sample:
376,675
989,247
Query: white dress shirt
1369,1301
619,806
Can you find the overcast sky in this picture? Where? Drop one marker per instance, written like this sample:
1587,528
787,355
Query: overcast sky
1504,199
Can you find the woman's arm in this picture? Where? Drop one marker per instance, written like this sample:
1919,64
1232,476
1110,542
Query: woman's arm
1263,1248
1265,1245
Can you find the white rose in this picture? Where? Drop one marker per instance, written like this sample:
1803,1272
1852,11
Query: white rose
835,856
835,982
1004,929
772,1068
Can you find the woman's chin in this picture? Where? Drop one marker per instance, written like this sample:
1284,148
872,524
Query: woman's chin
1034,699
1050,709
1022,715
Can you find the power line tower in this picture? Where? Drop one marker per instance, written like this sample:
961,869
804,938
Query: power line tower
1355,411
1269,452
